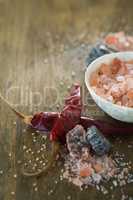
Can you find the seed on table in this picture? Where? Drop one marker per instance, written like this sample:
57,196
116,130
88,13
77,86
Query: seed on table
37,159
9,154
36,189
50,192
44,137
15,175
61,178
68,197
35,165
24,147
73,74
56,182
29,149
1,172
33,168
57,106
12,193
61,83
115,183
45,61
34,184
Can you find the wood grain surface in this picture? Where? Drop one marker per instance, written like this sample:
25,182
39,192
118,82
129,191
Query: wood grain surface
43,47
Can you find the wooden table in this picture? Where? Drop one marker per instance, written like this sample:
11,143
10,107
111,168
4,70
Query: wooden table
43,46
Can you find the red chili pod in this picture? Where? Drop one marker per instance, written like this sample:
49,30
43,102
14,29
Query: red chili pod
69,117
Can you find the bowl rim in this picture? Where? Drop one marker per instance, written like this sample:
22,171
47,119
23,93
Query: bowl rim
87,81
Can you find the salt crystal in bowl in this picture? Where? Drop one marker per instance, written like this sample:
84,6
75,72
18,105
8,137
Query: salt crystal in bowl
118,112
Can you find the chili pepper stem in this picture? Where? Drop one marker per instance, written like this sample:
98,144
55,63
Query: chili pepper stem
51,160
26,119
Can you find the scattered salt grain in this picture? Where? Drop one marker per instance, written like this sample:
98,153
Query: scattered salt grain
120,78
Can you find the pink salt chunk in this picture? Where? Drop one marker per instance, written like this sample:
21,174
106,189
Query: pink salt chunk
105,80
105,69
94,79
129,62
115,65
123,69
122,87
129,82
111,40
131,72
130,94
110,98
130,103
116,85
100,91
119,103
124,100
120,78
115,91
106,87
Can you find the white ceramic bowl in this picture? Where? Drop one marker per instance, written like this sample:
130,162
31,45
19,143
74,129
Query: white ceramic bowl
121,113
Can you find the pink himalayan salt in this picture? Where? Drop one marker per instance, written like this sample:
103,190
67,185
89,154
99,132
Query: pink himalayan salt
124,100
86,171
115,66
104,69
129,83
115,84
130,103
120,41
94,79
123,69
120,78
130,94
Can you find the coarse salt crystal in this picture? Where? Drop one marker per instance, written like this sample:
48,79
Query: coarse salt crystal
120,78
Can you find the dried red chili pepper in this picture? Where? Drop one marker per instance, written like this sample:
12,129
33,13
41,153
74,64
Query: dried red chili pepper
69,117
44,121
61,123
47,120
108,128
